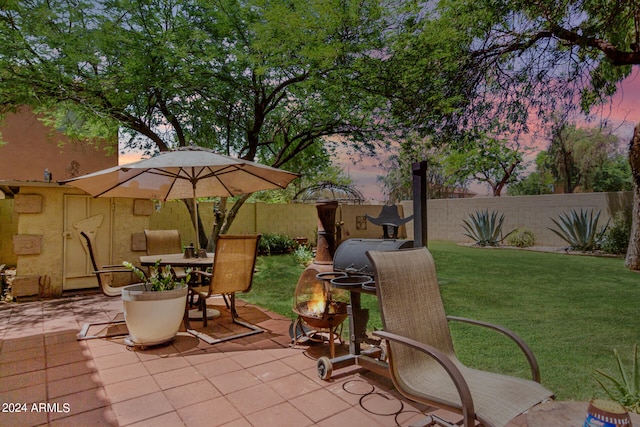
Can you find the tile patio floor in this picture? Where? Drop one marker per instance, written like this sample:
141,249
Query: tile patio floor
255,381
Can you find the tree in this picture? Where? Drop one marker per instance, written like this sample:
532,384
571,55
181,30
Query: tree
510,60
263,81
537,182
398,184
487,160
576,154
614,175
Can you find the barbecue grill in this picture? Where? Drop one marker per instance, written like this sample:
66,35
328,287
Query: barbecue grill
351,255
325,292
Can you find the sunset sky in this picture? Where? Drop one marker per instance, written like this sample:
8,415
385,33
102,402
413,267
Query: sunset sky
623,113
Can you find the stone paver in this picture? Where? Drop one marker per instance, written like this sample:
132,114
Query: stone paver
257,381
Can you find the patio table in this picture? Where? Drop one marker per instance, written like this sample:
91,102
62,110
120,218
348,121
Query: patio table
178,260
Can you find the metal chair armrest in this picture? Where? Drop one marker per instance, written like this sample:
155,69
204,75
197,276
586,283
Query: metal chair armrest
531,358
450,368
117,266
106,270
202,273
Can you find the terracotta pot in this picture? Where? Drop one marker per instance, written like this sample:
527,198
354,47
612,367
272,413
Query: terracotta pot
153,317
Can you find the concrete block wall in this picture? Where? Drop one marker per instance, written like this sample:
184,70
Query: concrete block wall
294,220
354,226
297,220
173,215
445,216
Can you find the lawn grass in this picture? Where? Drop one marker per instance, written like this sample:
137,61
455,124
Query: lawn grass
572,310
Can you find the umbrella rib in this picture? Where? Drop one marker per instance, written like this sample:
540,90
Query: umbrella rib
248,172
119,183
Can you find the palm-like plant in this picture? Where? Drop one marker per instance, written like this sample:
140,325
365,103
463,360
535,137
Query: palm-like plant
160,279
484,228
580,230
626,389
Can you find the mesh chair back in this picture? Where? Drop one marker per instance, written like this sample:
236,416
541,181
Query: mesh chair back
160,242
105,278
233,264
409,299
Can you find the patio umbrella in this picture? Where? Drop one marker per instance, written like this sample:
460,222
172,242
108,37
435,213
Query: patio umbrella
183,173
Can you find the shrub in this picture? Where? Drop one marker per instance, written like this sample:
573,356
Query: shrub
303,255
580,230
625,389
616,239
273,243
484,228
522,238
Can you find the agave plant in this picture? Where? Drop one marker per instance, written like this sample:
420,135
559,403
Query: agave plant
626,389
484,228
580,230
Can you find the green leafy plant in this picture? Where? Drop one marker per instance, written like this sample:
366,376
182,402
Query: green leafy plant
625,389
160,279
580,230
484,228
303,255
616,239
522,238
273,243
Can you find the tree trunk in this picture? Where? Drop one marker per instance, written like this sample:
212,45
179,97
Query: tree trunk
632,260
224,219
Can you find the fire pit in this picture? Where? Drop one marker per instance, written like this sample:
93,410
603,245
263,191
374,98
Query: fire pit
320,307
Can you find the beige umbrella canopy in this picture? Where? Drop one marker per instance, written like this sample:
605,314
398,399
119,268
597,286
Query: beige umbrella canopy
184,173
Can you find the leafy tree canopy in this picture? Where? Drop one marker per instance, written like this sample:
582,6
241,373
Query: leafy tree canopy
259,80
504,62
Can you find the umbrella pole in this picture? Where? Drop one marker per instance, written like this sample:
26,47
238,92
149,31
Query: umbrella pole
195,217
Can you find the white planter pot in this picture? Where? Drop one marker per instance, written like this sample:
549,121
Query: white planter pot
153,317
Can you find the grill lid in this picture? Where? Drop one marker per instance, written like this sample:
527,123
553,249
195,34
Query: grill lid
351,255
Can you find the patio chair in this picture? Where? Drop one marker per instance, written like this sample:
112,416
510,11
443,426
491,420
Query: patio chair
233,265
422,361
105,276
161,242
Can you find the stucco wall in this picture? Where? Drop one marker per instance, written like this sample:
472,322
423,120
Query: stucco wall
45,228
8,227
29,147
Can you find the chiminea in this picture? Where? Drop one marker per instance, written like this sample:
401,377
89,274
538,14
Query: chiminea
323,262
321,307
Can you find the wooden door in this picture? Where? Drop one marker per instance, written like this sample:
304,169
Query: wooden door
93,216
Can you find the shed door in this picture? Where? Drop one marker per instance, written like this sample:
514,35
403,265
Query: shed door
93,216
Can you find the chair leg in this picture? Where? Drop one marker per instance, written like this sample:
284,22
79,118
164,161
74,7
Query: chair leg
234,317
82,335
203,308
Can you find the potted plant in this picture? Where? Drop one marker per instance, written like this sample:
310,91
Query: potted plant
154,309
626,388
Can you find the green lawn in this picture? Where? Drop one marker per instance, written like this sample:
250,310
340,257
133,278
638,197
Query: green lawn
572,310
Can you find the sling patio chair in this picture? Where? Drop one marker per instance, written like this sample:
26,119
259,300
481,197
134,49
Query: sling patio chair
105,276
162,242
422,362
233,265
